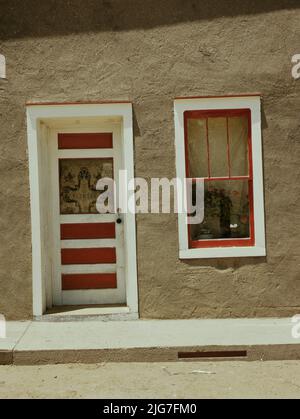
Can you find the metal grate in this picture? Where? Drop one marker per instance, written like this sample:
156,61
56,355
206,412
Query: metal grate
212,354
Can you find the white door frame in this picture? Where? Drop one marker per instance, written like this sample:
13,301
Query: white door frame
41,119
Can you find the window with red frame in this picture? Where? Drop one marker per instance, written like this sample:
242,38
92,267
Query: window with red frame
218,150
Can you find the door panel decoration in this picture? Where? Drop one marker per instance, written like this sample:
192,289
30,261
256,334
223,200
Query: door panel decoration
77,183
89,281
87,231
79,141
88,256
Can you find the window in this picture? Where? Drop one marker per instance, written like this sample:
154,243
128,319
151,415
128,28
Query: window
218,150
218,140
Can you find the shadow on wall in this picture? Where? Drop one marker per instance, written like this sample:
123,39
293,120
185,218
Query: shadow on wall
33,18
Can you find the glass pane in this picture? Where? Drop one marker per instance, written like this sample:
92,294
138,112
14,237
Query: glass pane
218,149
238,140
197,148
226,211
77,184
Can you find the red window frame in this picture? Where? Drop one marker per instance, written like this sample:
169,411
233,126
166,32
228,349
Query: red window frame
230,242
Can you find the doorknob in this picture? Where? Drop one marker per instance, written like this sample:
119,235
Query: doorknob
119,219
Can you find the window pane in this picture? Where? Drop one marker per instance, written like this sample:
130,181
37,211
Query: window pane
197,148
226,211
238,140
77,184
218,150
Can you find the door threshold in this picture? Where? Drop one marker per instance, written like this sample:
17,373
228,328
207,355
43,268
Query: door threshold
91,312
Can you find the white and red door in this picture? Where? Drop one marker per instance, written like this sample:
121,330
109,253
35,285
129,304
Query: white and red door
88,258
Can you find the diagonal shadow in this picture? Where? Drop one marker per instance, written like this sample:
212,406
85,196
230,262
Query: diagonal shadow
38,18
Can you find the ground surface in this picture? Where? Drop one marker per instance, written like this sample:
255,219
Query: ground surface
153,380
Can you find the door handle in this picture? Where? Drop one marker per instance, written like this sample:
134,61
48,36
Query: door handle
119,219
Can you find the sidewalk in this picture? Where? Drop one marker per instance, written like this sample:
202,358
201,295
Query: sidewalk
92,341
150,380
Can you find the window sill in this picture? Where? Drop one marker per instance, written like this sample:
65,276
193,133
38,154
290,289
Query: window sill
232,252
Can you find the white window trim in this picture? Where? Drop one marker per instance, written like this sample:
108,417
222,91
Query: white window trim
38,117
212,103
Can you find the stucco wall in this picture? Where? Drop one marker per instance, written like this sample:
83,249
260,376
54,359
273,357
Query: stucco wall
149,52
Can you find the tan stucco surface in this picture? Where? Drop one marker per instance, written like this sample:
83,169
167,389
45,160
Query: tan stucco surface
150,52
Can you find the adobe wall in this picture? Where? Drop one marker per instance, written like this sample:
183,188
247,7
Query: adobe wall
150,52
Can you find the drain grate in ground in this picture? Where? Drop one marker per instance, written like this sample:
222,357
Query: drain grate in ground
212,354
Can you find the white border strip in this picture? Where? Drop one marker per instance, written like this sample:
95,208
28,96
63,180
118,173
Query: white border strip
87,243
87,218
103,268
101,153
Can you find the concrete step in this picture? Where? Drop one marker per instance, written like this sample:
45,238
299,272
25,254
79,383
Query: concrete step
91,341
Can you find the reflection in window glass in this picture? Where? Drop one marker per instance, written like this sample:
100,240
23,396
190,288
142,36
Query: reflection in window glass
218,146
197,148
218,149
226,211
238,142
